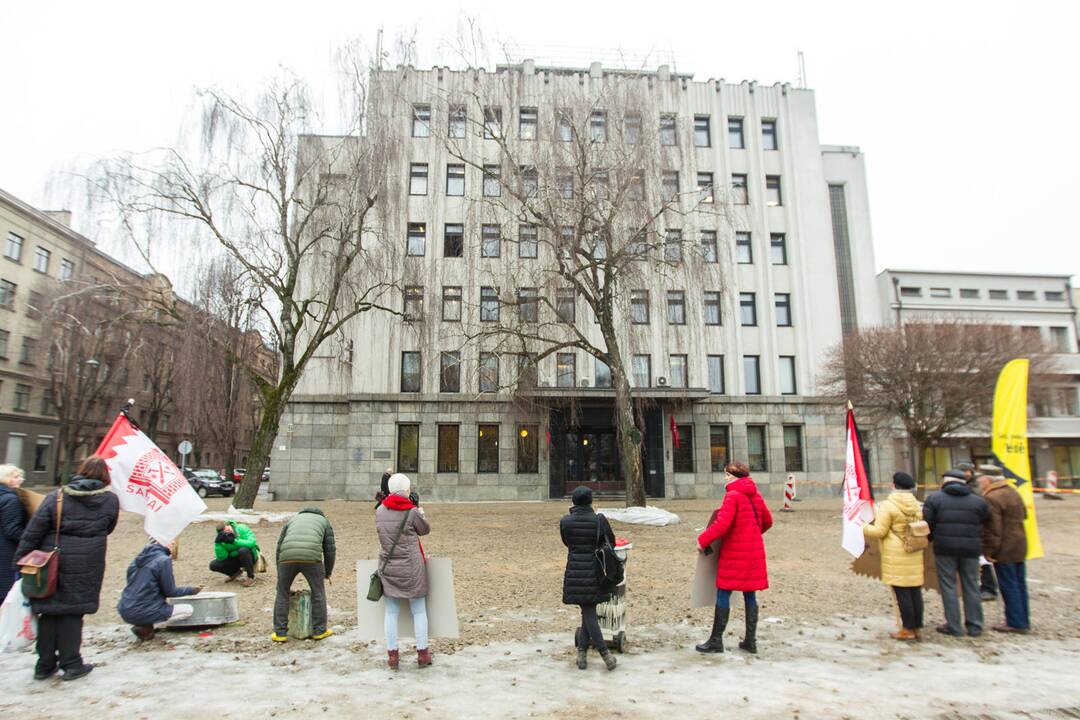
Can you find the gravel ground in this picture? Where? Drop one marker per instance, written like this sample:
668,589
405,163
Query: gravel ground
508,564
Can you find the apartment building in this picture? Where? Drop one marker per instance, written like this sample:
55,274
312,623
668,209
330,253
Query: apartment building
727,326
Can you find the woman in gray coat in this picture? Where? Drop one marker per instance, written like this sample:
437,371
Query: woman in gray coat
400,522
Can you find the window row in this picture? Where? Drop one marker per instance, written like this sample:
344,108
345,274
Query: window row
757,448
42,257
490,380
910,291
13,453
565,127
23,396
448,448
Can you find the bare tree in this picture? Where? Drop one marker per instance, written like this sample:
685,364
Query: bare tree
935,379
297,213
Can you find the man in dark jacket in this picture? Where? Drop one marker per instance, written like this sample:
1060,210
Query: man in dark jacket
149,582
305,546
1004,543
956,515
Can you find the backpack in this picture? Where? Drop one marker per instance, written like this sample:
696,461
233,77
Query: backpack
917,536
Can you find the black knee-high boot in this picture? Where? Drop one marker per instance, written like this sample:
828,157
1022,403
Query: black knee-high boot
715,643
749,643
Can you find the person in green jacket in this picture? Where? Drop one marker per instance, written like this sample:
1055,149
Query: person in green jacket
235,552
305,547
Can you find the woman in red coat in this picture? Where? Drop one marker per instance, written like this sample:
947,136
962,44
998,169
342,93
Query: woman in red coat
739,524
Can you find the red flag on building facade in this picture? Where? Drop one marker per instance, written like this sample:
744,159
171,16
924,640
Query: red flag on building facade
674,433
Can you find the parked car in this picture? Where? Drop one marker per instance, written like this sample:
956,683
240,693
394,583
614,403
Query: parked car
238,475
265,475
207,481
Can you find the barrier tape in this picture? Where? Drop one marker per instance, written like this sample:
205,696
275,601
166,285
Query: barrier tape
1057,490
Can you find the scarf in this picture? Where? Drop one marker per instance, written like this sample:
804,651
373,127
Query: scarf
397,502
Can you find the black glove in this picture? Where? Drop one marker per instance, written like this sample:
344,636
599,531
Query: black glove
414,499
224,538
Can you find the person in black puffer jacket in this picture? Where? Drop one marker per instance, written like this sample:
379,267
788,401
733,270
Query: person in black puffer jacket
956,516
87,517
12,524
580,530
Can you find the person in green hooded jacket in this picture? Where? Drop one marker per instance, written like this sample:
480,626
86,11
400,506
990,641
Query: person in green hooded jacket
235,552
305,547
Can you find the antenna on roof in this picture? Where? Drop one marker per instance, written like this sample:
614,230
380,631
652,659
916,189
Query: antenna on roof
802,69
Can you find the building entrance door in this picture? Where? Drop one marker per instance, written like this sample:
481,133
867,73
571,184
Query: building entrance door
592,459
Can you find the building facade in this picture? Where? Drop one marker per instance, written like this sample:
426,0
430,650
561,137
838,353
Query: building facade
726,342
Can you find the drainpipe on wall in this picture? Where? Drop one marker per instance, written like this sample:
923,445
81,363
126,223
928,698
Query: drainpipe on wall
899,302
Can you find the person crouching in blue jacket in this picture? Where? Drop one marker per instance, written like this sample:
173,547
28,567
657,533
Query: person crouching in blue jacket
149,582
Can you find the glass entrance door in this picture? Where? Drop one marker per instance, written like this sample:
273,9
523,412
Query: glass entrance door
592,459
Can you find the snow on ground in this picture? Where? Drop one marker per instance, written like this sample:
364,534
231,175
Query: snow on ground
835,670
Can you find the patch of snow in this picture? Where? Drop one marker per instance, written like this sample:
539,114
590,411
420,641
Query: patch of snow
648,515
248,517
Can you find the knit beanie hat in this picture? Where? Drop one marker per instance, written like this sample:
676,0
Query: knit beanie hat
582,496
399,485
903,481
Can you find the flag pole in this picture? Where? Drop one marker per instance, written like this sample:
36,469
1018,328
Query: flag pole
126,412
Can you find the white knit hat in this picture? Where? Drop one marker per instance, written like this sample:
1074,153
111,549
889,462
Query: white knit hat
399,485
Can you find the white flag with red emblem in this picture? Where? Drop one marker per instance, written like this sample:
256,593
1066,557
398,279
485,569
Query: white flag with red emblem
148,482
858,496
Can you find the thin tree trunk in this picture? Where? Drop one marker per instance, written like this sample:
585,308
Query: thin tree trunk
628,435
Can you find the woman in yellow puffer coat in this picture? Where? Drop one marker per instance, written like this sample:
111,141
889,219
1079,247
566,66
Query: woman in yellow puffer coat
900,569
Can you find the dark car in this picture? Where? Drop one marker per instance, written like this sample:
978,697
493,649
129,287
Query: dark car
207,481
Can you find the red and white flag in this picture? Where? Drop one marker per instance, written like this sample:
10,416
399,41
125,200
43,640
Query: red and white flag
148,482
858,497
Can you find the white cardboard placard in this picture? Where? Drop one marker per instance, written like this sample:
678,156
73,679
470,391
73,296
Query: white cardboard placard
441,604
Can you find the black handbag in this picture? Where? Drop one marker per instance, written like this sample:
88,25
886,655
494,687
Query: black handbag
609,567
375,588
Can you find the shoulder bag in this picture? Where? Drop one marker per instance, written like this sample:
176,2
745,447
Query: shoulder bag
609,567
375,589
39,568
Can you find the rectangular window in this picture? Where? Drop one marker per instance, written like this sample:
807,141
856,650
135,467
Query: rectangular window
453,240
492,181
598,126
788,385
7,294
748,309
527,123
969,293
564,125
418,176
530,181
676,307
793,449
22,398
752,374
5,336
1059,339
447,459
910,292
490,241
719,447
705,187
947,293
667,129
716,374
489,372
567,241
67,269
783,309
677,371
528,305
489,304
528,449
641,369
13,249
757,450
36,305
682,454
455,180
526,370
487,449
673,246
1054,295
408,448
778,249
772,191
41,260
744,250
740,193
528,245
639,307
736,141
1020,294
564,182
601,373
416,240
635,186
410,371
708,246
994,294
421,121
41,452
565,305
669,185
450,372
414,303
769,141
702,135
565,370
492,122
632,128
455,128
451,303
713,315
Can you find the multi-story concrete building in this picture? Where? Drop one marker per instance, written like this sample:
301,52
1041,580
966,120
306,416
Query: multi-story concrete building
1044,309
726,343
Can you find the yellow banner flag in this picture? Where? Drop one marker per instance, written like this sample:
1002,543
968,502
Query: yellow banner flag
1010,442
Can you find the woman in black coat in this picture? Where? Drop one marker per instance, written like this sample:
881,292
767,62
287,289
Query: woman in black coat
582,531
12,524
87,516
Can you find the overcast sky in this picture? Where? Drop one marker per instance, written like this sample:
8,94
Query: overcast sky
968,112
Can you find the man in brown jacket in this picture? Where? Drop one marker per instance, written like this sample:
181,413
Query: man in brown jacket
1005,544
